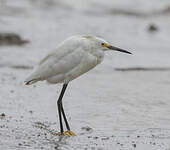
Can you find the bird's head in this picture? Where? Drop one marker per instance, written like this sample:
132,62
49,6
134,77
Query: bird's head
101,44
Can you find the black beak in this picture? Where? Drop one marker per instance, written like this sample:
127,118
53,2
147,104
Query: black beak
118,49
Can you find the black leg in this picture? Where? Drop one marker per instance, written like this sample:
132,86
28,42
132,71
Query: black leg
65,119
61,110
60,117
63,113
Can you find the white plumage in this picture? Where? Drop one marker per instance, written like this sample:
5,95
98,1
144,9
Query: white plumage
71,58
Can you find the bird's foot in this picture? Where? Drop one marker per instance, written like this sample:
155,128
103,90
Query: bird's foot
69,133
66,133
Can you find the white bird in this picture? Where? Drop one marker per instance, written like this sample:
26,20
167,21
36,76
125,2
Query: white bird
72,58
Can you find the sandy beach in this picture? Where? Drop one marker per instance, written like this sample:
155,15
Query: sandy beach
123,104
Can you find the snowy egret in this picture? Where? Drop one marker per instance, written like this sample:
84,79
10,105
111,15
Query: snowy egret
73,57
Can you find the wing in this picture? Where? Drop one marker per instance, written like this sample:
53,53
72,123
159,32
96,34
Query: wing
45,58
57,63
87,62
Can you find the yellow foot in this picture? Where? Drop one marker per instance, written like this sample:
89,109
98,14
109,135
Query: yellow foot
69,133
66,133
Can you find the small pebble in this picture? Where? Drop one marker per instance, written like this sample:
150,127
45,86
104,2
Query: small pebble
30,111
56,147
152,28
134,145
95,137
86,128
105,138
2,115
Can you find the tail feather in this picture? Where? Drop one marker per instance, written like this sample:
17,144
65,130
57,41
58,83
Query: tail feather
30,81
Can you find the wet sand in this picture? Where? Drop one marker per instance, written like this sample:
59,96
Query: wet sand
128,110
122,104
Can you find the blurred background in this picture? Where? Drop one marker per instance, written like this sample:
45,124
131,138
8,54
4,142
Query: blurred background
140,26
121,104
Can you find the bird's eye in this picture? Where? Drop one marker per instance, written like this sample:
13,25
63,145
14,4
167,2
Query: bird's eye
103,44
